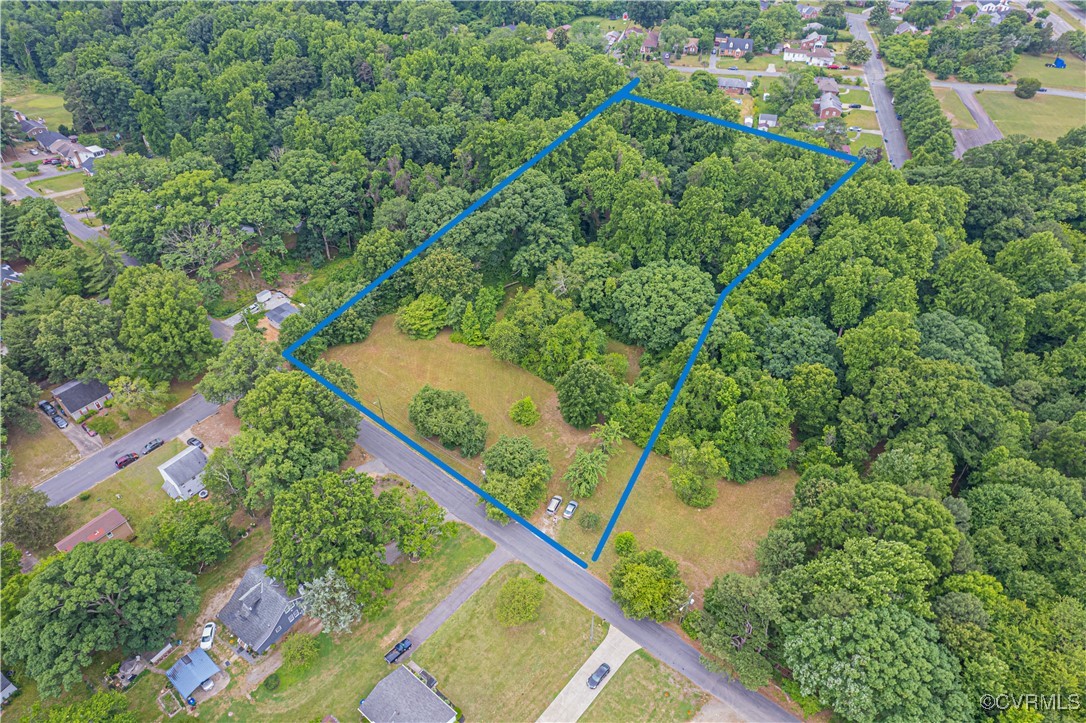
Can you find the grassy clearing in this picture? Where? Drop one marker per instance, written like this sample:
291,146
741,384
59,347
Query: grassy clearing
64,182
33,99
690,61
179,391
646,689
1043,116
72,201
23,175
39,455
498,673
349,667
855,95
954,109
857,141
865,119
1073,77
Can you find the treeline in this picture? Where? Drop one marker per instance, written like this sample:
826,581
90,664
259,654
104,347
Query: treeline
926,127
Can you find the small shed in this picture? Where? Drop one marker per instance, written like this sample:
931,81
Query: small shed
191,670
7,688
78,398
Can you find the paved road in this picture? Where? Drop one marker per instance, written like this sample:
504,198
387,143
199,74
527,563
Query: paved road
444,610
659,641
75,227
573,701
85,474
985,132
892,135
974,87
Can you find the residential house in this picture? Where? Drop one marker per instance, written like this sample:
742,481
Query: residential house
903,28
766,121
819,57
184,473
400,697
827,85
828,105
261,611
808,12
9,276
78,398
650,43
7,688
110,525
813,27
735,47
191,671
88,166
97,151
814,41
277,314
991,8
612,37
733,86
551,31
898,7
29,126
71,151
691,46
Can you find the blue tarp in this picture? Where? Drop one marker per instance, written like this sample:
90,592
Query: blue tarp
191,670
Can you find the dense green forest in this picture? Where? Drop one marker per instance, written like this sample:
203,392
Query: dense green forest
917,349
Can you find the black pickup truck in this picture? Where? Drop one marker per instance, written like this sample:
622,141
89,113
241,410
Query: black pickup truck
401,647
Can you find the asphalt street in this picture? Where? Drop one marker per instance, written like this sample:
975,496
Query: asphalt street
985,132
974,87
577,582
85,474
892,134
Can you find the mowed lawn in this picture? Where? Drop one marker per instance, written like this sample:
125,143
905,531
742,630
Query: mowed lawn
852,94
63,182
349,667
1043,116
495,673
865,119
646,689
1073,77
49,106
858,141
954,109
37,456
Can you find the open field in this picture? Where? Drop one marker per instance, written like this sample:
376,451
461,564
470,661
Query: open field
496,673
604,24
349,666
64,182
32,99
865,119
390,368
72,201
37,456
857,141
1043,116
1073,77
851,94
954,109
646,689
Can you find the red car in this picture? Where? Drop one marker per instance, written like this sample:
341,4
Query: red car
125,460
834,67
88,430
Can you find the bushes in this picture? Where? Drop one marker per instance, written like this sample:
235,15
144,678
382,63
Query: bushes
299,650
524,412
271,682
519,601
448,416
423,318
589,522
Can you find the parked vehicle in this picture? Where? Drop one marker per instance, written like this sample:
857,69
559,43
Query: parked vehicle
208,636
152,446
33,152
855,129
207,684
47,408
1042,90
254,308
397,652
554,504
667,55
733,67
854,105
596,678
570,509
59,421
125,460
846,67
193,442
82,209
88,430
835,67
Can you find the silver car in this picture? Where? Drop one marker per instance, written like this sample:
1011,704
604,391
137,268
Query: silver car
554,504
570,509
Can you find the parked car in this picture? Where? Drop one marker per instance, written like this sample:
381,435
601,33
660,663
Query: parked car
846,67
152,446
59,421
835,67
397,652
125,460
88,430
733,67
208,636
570,509
899,116
254,308
82,209
596,678
33,152
554,504
207,684
854,105
193,442
1042,90
47,408
667,55
855,129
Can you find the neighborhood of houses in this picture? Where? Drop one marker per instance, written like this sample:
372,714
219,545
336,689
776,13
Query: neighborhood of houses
68,148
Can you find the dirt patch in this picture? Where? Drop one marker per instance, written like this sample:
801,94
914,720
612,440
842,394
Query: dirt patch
218,429
270,332
355,458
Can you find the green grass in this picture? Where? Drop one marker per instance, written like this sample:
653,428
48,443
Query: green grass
37,456
857,141
1043,116
758,62
72,201
35,100
349,667
855,95
1073,77
646,689
690,61
497,673
865,119
954,108
65,182
23,175
604,24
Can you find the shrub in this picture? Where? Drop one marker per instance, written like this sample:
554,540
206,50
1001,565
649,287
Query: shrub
32,167
519,601
448,416
84,496
691,624
590,522
625,544
423,318
299,650
524,412
104,425
271,682
1027,87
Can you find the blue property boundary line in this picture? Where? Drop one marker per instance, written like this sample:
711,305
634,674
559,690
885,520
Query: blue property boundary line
621,95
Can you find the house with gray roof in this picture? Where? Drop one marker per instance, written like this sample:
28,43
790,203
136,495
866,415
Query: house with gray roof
261,611
184,473
734,86
767,121
277,314
400,697
78,398
7,688
188,673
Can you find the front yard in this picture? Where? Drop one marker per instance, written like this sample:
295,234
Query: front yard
865,119
646,689
495,673
1073,77
37,456
63,182
1043,116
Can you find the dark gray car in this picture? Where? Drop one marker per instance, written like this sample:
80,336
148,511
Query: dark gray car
596,678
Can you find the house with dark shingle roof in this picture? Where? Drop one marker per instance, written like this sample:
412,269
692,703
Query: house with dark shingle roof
261,611
276,315
110,525
400,697
7,688
184,473
78,398
734,47
191,670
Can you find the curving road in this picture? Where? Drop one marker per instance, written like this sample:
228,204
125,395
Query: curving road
893,136
974,87
662,643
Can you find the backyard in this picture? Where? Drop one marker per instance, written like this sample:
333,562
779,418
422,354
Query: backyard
1043,116
954,109
33,99
646,689
497,673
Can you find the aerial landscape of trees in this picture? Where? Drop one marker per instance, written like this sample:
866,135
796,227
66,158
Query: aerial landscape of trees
915,351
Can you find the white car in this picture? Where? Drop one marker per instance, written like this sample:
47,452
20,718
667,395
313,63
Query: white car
208,636
33,152
554,504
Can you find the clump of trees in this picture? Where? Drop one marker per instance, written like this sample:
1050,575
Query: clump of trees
646,583
519,600
448,416
516,473
927,129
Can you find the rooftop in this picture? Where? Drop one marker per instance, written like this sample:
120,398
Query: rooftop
94,531
183,473
277,314
191,670
76,394
400,697
257,608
